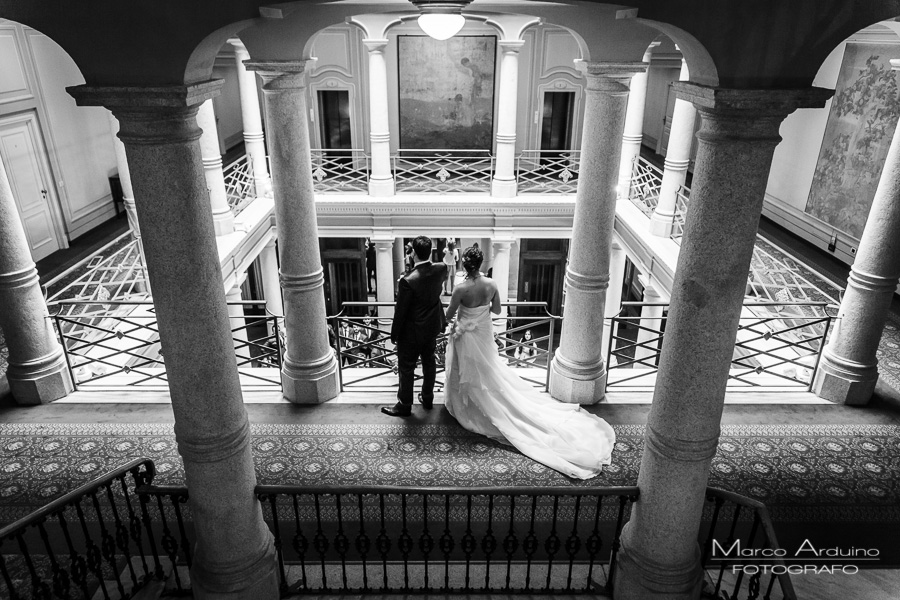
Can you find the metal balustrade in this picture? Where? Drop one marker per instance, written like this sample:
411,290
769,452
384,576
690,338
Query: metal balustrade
645,184
340,171
547,172
240,187
778,344
442,171
368,360
115,344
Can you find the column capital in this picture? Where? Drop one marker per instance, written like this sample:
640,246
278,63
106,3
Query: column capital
280,74
511,46
605,76
375,44
764,102
137,98
238,44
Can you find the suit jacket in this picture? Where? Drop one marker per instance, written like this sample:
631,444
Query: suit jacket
419,315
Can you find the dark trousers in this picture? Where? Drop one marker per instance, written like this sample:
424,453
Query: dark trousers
407,355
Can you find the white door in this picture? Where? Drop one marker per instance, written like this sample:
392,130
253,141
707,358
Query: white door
20,153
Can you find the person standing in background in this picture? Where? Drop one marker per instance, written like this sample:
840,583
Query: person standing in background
451,257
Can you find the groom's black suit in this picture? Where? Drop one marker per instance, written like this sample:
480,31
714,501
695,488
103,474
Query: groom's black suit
418,320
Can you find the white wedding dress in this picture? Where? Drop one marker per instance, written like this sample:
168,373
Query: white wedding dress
486,396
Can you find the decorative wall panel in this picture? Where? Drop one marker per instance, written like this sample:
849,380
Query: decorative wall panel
13,77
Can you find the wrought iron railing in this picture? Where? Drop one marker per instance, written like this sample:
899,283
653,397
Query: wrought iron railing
442,171
240,187
340,171
460,540
115,344
104,539
547,172
367,359
778,345
682,197
645,184
736,518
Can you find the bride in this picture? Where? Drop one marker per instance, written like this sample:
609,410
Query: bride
487,397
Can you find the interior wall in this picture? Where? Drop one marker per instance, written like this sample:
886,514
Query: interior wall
794,163
35,71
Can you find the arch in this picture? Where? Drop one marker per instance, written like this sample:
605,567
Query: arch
699,62
200,63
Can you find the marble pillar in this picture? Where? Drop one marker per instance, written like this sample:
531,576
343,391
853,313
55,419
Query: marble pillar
613,303
633,135
659,556
251,118
37,371
848,369
504,183
128,198
578,372
268,266
399,259
678,158
223,218
309,370
161,136
381,179
650,323
384,273
500,248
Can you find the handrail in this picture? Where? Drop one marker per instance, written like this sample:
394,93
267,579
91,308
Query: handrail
347,489
82,490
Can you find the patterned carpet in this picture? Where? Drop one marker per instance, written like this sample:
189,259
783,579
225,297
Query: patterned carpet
847,473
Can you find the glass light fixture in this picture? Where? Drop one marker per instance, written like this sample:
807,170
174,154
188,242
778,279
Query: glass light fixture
441,26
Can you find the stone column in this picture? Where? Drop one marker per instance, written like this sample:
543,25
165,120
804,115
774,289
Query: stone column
384,273
612,307
128,195
268,266
223,218
578,372
381,179
848,370
160,132
659,556
650,323
236,319
309,371
254,139
504,182
678,158
37,371
500,270
634,125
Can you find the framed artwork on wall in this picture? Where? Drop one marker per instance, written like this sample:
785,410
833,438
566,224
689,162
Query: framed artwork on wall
857,136
446,92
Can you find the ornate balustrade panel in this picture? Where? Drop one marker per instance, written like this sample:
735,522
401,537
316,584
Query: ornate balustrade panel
240,187
547,172
730,518
115,344
778,345
368,360
470,540
340,171
102,540
442,171
682,197
646,180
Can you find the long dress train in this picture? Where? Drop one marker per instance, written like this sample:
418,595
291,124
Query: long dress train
486,396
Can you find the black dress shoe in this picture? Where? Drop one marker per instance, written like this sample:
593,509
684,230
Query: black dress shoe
398,410
426,404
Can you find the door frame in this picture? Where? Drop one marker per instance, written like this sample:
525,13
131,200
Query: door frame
557,257
31,121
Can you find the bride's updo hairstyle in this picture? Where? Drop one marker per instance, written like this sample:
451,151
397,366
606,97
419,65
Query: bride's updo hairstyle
472,259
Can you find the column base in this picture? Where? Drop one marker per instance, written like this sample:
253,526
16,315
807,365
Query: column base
662,225
381,187
639,578
310,383
223,223
843,381
576,383
257,580
501,188
40,381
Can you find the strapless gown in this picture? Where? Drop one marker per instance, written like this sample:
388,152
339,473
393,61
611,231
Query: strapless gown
487,396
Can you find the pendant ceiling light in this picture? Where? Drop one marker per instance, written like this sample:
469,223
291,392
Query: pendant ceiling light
441,19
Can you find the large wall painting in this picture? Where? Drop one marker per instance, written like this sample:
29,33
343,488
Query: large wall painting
857,136
446,92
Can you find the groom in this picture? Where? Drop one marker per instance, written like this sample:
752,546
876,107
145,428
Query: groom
418,320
